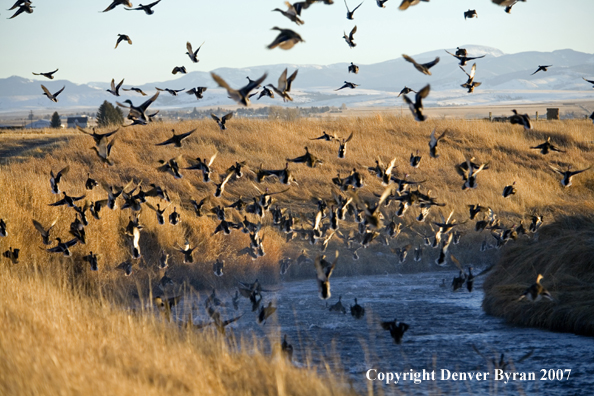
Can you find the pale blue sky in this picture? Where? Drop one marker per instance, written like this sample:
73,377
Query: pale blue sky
77,38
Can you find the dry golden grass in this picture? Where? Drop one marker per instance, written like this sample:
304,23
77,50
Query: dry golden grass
269,143
61,326
56,341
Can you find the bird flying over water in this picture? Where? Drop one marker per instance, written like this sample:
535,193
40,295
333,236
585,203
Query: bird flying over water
396,330
324,271
536,292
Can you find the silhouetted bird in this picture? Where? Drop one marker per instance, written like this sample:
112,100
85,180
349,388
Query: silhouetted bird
422,67
123,37
543,68
50,75
357,311
148,9
286,39
396,330
116,3
470,14
416,107
350,14
50,96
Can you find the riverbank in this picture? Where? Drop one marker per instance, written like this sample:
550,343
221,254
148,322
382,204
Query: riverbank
58,341
564,254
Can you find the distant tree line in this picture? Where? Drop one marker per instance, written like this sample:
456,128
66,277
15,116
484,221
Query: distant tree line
271,112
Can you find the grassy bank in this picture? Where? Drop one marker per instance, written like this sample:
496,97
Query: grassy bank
506,147
564,255
58,341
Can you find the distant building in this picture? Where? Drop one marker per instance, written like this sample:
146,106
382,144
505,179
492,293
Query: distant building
11,126
553,114
39,124
81,121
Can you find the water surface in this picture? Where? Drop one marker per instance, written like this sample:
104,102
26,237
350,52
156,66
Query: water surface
443,327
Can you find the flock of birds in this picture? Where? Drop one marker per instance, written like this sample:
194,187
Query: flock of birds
286,39
358,222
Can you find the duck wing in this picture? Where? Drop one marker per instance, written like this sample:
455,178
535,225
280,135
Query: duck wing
429,65
352,34
290,81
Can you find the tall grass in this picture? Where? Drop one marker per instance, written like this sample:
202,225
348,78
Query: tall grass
564,255
506,148
57,341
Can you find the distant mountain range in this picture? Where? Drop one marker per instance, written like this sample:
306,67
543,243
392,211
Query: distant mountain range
506,78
